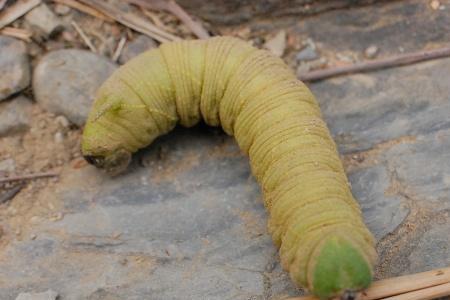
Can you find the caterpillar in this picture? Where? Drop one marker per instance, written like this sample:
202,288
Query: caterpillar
254,96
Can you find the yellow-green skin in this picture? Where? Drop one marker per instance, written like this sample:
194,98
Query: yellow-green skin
314,219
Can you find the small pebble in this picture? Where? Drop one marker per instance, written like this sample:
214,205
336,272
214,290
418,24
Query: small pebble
62,121
371,52
132,48
307,66
12,211
42,124
7,165
65,90
116,234
345,57
57,217
61,9
308,52
14,66
44,20
435,4
277,44
33,236
59,137
34,219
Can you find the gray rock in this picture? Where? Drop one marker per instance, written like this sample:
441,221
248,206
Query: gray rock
14,66
367,109
193,231
62,121
277,44
7,165
433,249
423,168
382,213
48,295
371,52
15,115
44,20
61,9
308,52
140,44
307,66
65,82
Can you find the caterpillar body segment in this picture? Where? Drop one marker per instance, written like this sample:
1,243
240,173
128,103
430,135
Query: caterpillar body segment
313,217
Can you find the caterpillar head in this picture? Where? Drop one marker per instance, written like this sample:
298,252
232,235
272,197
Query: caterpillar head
113,163
103,149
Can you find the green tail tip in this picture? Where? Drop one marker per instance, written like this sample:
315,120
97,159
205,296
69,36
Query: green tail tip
340,270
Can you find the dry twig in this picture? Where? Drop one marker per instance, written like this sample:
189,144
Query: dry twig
19,33
83,35
430,293
420,286
17,10
28,177
394,61
131,20
86,9
172,7
119,48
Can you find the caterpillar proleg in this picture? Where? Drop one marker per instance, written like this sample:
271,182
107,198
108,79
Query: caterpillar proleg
254,96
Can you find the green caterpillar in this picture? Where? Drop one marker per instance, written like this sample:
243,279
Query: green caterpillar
314,219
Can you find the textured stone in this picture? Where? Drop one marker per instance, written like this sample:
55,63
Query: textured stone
367,109
65,82
371,51
188,224
423,168
14,115
48,295
14,66
433,249
382,213
277,44
307,53
140,44
7,166
44,20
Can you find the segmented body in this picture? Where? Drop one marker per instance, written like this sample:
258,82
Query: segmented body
276,122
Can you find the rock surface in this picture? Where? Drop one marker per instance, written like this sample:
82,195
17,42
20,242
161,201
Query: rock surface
277,44
307,53
187,220
48,295
43,19
237,11
140,44
14,67
65,82
368,109
14,115
7,166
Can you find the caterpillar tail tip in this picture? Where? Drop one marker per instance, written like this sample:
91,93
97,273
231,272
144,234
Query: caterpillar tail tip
340,270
